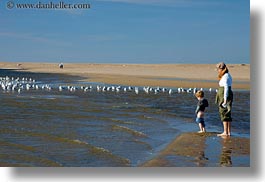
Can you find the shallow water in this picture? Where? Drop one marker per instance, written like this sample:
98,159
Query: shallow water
52,128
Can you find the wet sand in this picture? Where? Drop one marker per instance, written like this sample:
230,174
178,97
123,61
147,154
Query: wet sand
203,150
164,75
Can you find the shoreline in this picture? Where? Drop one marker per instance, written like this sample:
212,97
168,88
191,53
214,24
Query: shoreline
163,75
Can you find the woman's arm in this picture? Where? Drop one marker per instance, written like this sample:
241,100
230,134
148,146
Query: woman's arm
225,93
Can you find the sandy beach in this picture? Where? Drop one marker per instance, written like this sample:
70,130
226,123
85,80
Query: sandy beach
166,75
193,149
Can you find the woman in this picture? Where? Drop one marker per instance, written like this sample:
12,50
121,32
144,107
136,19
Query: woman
224,97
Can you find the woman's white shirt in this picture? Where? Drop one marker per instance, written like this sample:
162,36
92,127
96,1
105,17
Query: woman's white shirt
226,81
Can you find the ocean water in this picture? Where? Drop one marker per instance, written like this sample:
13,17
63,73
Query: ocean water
96,128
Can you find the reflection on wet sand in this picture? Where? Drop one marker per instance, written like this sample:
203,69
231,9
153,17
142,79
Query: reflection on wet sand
225,157
188,148
201,159
199,150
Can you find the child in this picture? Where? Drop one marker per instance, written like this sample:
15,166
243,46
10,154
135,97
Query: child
201,105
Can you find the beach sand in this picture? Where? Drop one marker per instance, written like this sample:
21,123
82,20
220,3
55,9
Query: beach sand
203,150
163,75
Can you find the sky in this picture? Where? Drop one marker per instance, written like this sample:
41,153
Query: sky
128,31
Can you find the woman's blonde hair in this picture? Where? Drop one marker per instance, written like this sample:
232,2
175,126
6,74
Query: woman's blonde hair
224,71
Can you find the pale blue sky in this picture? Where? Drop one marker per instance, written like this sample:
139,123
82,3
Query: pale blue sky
128,31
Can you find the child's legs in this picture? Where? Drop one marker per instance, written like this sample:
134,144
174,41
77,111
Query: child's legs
201,126
201,123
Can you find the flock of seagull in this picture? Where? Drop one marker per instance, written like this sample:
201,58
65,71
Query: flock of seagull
21,84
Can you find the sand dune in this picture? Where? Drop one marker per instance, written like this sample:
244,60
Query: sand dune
167,75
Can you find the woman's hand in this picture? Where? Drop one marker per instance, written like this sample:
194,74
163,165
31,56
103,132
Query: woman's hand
224,104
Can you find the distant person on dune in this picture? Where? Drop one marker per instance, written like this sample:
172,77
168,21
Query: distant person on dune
61,65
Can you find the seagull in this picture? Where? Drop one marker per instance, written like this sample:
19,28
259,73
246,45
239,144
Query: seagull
136,90
164,89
